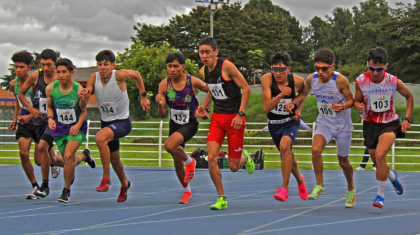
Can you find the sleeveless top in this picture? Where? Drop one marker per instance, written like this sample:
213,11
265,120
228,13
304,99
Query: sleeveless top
29,96
326,94
378,98
226,95
112,102
40,99
66,110
182,104
279,112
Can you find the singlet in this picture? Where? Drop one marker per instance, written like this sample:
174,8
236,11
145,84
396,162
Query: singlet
279,112
40,99
29,96
226,94
326,94
182,104
378,98
112,102
66,110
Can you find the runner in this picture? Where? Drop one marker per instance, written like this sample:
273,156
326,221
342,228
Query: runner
110,87
334,99
39,80
225,83
25,132
66,120
374,102
279,88
178,92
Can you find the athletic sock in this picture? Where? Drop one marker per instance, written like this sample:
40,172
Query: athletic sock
391,176
35,185
188,161
187,189
381,188
66,190
45,184
224,197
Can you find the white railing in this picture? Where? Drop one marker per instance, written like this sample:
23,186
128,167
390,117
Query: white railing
159,146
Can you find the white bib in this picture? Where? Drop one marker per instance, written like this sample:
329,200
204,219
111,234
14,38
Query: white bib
43,105
326,110
380,103
281,107
180,116
108,108
29,101
217,91
66,116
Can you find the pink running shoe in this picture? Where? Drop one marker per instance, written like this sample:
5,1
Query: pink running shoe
281,194
303,192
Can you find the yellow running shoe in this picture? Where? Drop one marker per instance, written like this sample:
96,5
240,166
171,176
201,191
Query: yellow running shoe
219,205
317,190
350,198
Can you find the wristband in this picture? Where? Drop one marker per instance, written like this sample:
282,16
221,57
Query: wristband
50,117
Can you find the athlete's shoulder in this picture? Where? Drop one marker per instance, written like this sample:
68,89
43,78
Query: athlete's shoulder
298,78
266,78
49,88
341,78
309,78
12,84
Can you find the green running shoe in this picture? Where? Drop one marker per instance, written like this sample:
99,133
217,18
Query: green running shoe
219,205
350,198
317,190
249,165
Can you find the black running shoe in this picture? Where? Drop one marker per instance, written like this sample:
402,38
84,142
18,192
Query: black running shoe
65,196
89,159
42,192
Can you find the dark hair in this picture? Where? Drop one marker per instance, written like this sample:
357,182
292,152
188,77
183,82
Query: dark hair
65,62
209,41
324,56
106,55
177,55
23,56
281,57
49,54
377,55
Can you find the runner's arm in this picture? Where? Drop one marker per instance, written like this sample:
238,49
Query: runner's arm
160,98
302,95
198,84
344,88
300,84
132,74
268,102
358,100
12,125
30,82
90,87
237,77
82,102
50,106
302,124
404,91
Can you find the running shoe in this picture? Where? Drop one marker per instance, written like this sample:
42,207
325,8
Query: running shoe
350,198
190,171
89,159
360,168
317,190
220,204
55,171
281,194
104,186
303,192
31,194
42,192
185,197
379,202
65,197
123,192
249,165
398,187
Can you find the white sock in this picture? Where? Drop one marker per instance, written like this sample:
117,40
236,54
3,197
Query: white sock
187,189
391,176
188,161
381,188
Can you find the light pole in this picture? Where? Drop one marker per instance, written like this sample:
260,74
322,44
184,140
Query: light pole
213,9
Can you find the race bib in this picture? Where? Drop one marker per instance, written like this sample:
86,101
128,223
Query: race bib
29,101
108,108
380,103
281,107
217,91
43,105
180,116
66,116
326,110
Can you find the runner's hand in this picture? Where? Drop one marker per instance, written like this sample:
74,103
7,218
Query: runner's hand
35,112
338,108
145,103
406,126
85,95
51,124
201,112
360,108
289,108
74,130
297,116
24,119
237,122
159,98
285,92
12,125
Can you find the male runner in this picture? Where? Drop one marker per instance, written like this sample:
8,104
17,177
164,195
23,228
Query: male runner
374,102
225,83
279,88
25,132
334,99
110,87
39,80
178,92
66,120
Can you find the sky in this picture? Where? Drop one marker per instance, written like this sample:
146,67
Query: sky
79,29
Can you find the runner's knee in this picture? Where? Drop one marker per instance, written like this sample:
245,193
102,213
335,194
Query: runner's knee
68,157
24,155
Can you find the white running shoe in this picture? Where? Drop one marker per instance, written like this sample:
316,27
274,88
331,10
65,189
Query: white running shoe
55,171
360,168
374,168
31,194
